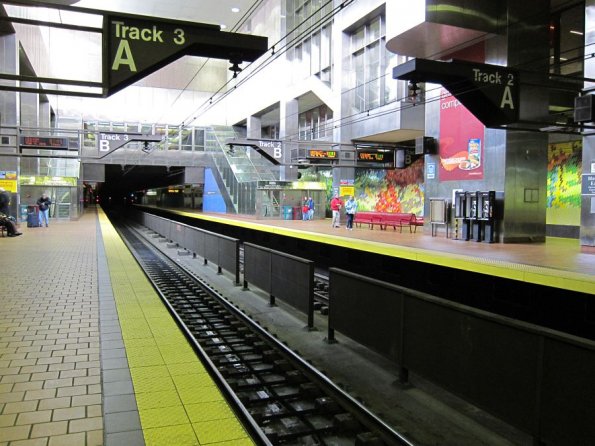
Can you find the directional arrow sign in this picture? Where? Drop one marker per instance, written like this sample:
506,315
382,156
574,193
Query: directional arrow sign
135,46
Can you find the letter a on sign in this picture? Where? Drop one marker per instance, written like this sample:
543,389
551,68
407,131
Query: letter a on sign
124,57
507,99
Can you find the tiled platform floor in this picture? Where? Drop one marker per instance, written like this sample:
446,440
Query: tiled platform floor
89,355
50,384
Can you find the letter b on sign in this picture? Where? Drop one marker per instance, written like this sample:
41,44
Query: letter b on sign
103,145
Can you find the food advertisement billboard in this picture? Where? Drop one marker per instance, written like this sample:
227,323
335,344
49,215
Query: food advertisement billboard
461,141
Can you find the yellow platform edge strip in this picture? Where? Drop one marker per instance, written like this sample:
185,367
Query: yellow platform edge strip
568,280
178,402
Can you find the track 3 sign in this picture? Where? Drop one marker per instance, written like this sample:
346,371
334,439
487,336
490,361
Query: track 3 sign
135,46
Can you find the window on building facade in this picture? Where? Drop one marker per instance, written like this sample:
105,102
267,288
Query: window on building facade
567,42
371,67
270,131
315,123
312,46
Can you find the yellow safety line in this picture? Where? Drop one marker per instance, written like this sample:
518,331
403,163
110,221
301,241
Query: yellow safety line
568,280
178,402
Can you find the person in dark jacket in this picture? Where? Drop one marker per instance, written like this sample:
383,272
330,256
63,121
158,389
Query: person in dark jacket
9,224
44,203
4,202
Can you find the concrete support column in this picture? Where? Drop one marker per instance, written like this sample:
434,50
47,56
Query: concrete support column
288,128
44,114
9,59
525,177
587,230
9,113
29,107
253,127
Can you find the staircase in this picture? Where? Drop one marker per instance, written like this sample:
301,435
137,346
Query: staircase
240,168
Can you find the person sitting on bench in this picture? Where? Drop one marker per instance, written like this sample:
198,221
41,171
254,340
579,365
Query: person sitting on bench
11,227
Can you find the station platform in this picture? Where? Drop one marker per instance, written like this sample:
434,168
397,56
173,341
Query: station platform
90,356
559,262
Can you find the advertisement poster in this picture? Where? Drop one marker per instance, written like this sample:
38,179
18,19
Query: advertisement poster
8,180
461,141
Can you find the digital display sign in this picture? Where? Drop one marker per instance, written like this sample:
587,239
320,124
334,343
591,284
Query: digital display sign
323,154
44,142
374,156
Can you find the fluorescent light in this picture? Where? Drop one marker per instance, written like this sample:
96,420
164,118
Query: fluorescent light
578,33
222,26
235,9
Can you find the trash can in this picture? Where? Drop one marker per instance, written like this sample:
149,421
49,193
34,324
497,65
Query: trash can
287,213
296,212
32,216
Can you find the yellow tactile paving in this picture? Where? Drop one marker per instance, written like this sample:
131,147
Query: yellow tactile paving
178,402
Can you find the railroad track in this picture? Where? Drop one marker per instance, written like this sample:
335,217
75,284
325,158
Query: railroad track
280,397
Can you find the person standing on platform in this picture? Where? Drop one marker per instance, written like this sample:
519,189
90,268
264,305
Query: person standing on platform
4,202
310,208
350,210
44,203
336,204
305,209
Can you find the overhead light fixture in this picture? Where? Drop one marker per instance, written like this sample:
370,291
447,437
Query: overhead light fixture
222,26
578,33
235,9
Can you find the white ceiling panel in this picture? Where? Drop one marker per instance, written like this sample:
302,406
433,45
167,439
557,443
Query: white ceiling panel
217,12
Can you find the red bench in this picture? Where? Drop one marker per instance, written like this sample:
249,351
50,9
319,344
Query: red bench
419,221
398,219
384,219
370,218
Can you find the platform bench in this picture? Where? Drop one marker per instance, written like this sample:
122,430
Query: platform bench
399,219
370,218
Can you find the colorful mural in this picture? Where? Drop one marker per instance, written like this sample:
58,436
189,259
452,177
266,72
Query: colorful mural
396,190
564,175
